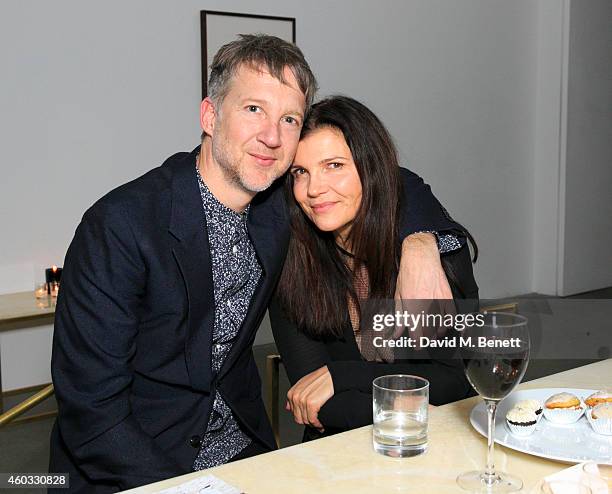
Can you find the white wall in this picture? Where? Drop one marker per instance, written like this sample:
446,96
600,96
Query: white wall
25,355
454,83
587,256
95,94
549,141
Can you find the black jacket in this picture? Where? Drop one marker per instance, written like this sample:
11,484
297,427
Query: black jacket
131,358
351,405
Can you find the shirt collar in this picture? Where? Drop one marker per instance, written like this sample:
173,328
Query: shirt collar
212,204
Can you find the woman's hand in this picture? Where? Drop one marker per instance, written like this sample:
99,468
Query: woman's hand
308,395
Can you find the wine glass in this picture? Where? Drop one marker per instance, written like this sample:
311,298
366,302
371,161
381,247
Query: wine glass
495,352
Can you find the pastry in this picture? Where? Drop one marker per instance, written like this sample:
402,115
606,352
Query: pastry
562,400
563,408
600,418
598,398
521,421
602,411
534,405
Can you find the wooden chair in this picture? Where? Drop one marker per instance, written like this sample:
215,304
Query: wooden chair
511,307
273,362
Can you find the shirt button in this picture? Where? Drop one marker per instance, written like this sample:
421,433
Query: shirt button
235,249
229,303
195,441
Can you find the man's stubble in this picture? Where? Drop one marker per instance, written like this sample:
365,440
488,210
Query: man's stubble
233,170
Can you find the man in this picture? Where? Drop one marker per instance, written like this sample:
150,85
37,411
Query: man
169,276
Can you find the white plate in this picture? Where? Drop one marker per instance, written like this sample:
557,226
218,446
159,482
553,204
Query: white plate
573,443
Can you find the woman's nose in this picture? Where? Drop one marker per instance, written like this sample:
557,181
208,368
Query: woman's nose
317,185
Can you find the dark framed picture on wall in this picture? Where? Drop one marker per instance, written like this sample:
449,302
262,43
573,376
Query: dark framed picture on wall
219,28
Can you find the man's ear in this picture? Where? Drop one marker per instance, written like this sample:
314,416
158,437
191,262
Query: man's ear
208,116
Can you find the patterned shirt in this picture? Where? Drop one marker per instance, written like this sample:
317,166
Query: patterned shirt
236,272
447,242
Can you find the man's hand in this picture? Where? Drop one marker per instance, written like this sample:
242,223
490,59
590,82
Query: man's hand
421,278
421,275
308,395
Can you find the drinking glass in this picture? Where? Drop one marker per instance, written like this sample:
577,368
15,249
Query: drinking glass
40,290
400,415
43,298
495,352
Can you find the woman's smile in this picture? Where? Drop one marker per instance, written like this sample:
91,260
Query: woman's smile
326,184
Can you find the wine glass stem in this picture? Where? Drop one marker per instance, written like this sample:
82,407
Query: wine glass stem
490,471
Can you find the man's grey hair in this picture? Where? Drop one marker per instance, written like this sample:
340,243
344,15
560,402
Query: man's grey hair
259,51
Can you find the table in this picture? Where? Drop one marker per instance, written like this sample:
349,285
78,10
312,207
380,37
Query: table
22,309
346,463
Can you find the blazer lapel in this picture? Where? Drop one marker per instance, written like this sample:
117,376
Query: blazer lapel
192,253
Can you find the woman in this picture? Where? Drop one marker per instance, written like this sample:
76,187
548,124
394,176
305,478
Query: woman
344,190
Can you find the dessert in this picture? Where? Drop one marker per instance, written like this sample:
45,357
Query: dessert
563,408
534,405
562,400
602,411
600,418
521,421
598,398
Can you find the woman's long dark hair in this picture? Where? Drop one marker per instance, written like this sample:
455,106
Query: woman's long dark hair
316,280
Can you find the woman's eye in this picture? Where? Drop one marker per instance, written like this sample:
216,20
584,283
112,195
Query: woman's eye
334,165
298,171
253,108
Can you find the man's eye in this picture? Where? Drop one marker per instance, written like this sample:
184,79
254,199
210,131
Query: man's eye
291,120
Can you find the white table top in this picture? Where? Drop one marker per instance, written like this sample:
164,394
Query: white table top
346,463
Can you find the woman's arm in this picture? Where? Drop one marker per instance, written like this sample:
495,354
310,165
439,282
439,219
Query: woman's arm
352,380
347,410
446,378
350,403
446,372
305,361
353,408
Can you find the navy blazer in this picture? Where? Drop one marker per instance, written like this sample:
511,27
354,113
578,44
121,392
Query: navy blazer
131,359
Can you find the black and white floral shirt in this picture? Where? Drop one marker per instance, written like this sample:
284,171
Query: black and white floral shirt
236,272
